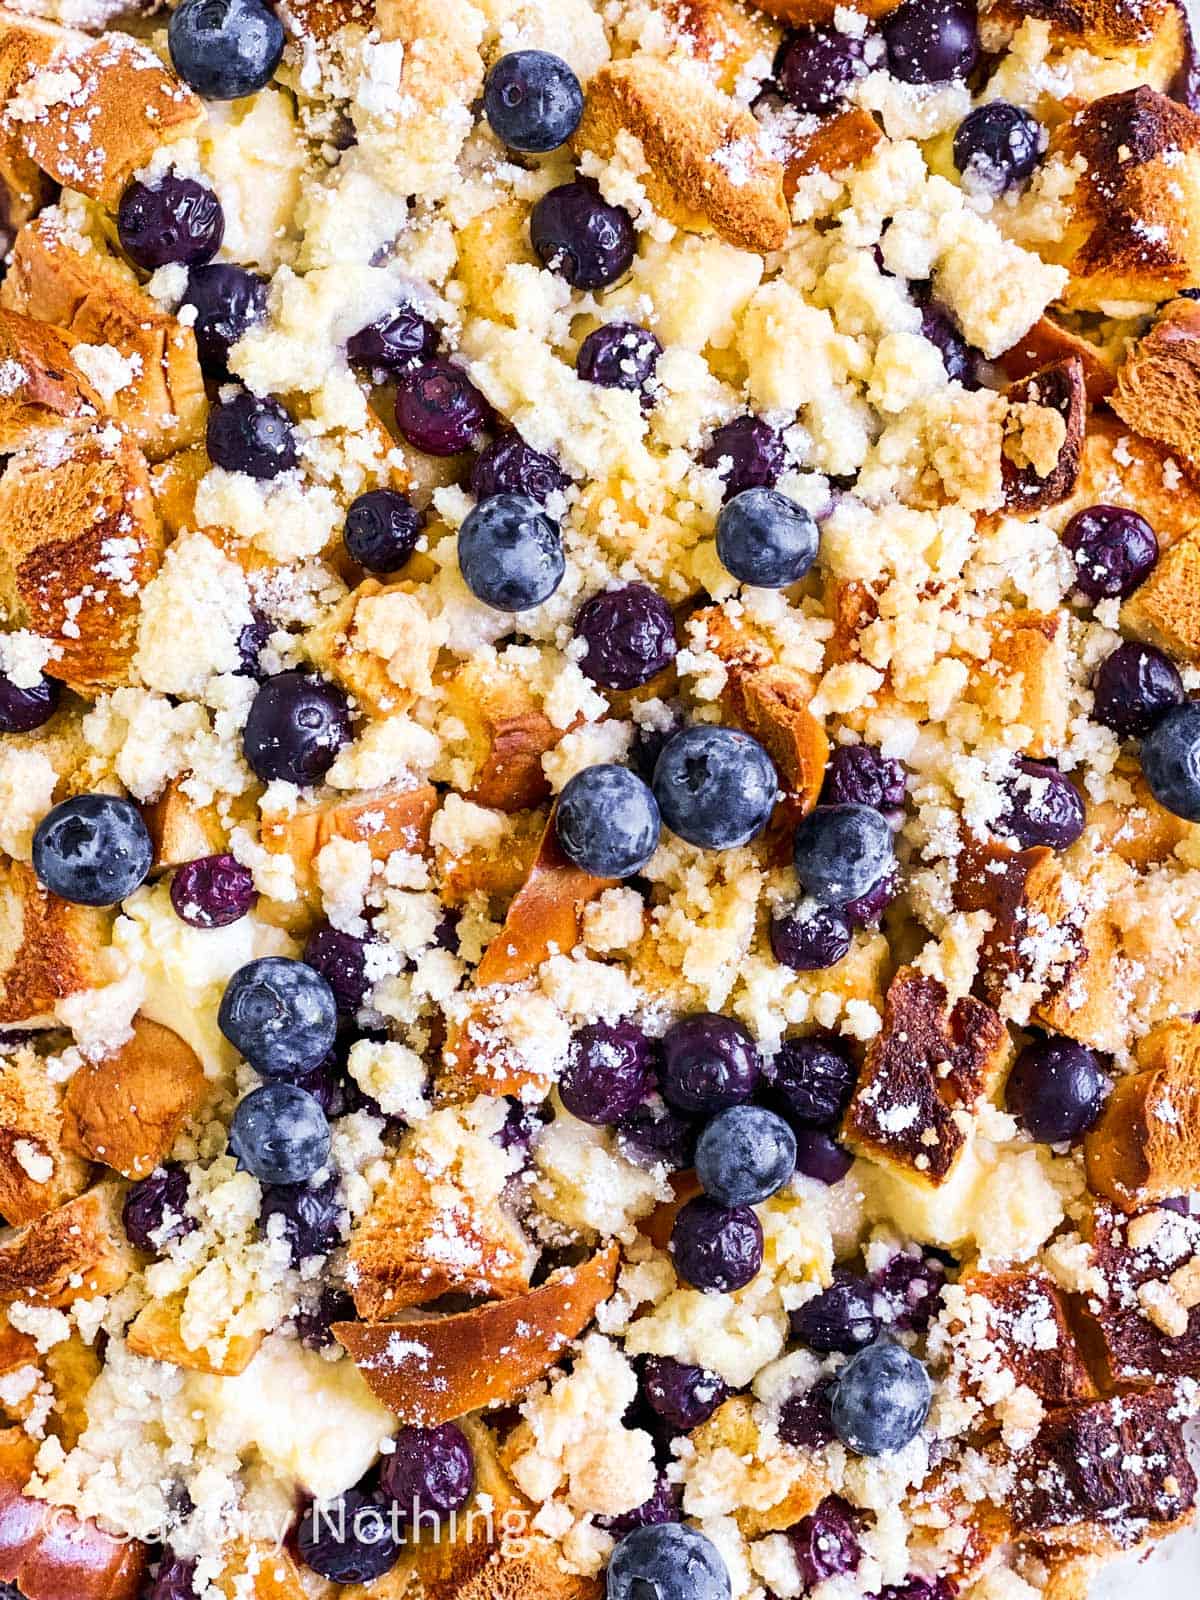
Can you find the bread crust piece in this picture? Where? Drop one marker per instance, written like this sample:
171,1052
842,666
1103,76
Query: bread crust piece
1049,342
155,1332
73,1253
1026,678
1144,1329
840,143
1146,1146
1016,1322
1058,388
26,43
49,390
733,1428
1158,383
1166,608
436,1369
48,948
385,820
708,168
180,830
798,11
507,733
31,1122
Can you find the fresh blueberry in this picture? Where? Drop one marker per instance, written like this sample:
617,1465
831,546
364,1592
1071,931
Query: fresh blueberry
1114,551
962,363
439,410
840,1318
667,1561
212,891
860,775
747,453
765,539
1057,1090
810,938
841,852
910,1287
662,1506
23,710
715,787
630,636
825,1543
396,342
314,1323
430,1471
657,1135
175,220
510,553
280,1015
297,725
868,909
1043,807
1134,686
155,1209
280,1134
313,1216
620,355
816,66
880,1400
381,530
93,850
607,1072
1171,760
172,1581
682,1395
715,1247
709,1063
510,466
228,302
820,1157
804,1419
251,435
224,49
341,959
932,41
996,147
745,1155
532,101
576,233
810,1082
353,1539
607,822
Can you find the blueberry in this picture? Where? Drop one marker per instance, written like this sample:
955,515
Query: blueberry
576,233
353,1539
716,1247
172,1581
280,1134
825,1543
312,1216
24,709
745,1155
880,1400
381,530
93,850
212,891
1043,807
816,66
1057,1090
1134,686
996,147
510,466
252,641
398,341
314,1323
251,435
804,1419
1114,551
280,1015
868,909
439,410
341,959
810,938
841,852
715,787
176,220
709,1063
667,1561
332,1087
228,302
224,49
811,1082
606,821
747,453
430,1470
961,362
841,1318
662,1506
510,553
860,775
155,1209
915,1588
910,1287
532,101
607,1072
297,725
683,1395
620,355
820,1157
765,539
630,636
657,1135
932,41
1171,760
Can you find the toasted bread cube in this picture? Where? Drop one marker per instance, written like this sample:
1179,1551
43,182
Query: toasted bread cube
44,388
1040,462
1015,1323
156,1332
48,948
1145,1327
260,1571
74,1253
379,644
482,868
26,43
395,818
1026,679
722,35
506,734
1149,41
1166,608
1121,468
36,1172
71,1367
180,830
837,144
1146,1146
801,11
1049,342
1158,382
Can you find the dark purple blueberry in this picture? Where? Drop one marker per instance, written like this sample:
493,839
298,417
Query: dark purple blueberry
312,1216
1171,760
662,1506
841,1318
804,1419
212,891
919,1589
1057,1090
1114,551
251,435
910,1288
510,466
354,1538
532,100
521,1125
228,302
868,909
932,41
445,935
154,1209
648,744
810,1082
716,1247
959,359
176,220
1043,807
252,641
709,1062
607,1071
748,453
656,1135
996,147
630,636
817,65
381,530
576,233
820,1157
1135,685
332,1087
810,941
429,1470
341,959
23,710
621,355
682,1395
315,1324
439,410
859,775
297,725
397,341
826,1543
172,1581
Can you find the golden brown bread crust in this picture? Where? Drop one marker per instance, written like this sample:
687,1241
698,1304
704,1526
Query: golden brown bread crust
1120,467
1049,342
1145,1329
734,1428
1166,608
507,734
394,818
722,34
1158,383
155,1332
74,1253
1026,1333
180,830
798,11
26,43
31,1121
1058,388
838,144
1025,680
48,948
1100,24
43,387
1146,1146
481,868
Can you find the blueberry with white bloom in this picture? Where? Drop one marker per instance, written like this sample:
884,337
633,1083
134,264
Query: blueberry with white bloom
92,850
510,553
667,1561
841,852
224,49
745,1155
765,539
280,1015
1171,760
880,1399
715,787
532,100
280,1134
607,821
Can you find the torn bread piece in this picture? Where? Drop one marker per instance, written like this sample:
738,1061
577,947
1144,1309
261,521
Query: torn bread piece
156,1332
506,734
1141,1305
49,948
1158,383
1039,466
1165,609
1146,1145
42,388
76,1252
397,817
37,1173
1003,1331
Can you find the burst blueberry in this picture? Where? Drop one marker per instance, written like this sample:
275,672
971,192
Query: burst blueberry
748,453
280,1015
510,553
996,147
224,49
430,1471
810,1081
353,1539
212,891
667,1561
314,1322
961,362
174,220
867,910
311,1217
251,435
620,355
607,1072
715,787
825,1543
683,1395
93,850
630,636
716,1247
661,1507
860,774
155,1211
1057,1089
24,708
532,101
297,725
439,410
880,1400
341,959
842,852
841,1318
1135,685
1043,807
804,1419
510,466
658,1135
381,530
816,67
909,1287
607,821
1114,551
744,1156
1171,760
810,938
820,1157
395,342
765,539
709,1063
228,301
578,234
932,41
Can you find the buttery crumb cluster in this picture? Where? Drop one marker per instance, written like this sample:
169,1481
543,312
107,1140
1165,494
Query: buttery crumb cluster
599,797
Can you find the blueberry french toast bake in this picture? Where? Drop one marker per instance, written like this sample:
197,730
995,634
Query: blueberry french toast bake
599,797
